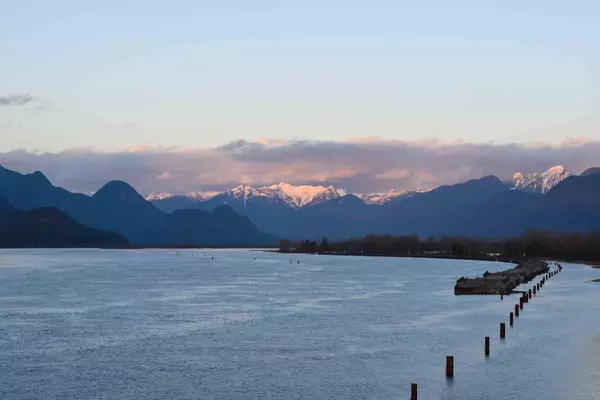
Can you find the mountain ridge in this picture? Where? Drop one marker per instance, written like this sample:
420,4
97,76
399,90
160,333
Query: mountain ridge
538,182
298,196
484,207
117,207
48,227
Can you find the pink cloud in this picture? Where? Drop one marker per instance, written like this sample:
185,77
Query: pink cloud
399,173
371,165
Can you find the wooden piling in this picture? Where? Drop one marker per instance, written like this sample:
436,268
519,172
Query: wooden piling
516,310
521,303
413,391
534,291
529,293
501,297
449,366
487,346
502,330
512,318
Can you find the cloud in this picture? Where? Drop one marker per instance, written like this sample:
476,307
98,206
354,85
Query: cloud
164,176
15,100
398,173
372,165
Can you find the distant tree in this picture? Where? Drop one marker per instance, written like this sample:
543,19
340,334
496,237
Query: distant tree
578,247
284,246
324,245
457,248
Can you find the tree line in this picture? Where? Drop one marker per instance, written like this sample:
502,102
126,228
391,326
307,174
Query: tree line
533,244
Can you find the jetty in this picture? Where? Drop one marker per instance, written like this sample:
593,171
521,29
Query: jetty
503,282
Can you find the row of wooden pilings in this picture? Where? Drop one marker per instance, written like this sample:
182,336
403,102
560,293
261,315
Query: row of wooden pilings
524,299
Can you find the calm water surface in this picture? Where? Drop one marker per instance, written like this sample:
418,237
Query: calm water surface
93,324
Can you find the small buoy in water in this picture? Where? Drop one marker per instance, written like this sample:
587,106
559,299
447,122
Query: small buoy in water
212,258
298,261
254,258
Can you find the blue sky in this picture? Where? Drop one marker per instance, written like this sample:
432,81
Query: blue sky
117,76
204,73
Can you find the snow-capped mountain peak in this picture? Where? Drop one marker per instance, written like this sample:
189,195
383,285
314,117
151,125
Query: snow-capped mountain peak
158,196
201,196
539,182
198,196
296,196
301,195
383,198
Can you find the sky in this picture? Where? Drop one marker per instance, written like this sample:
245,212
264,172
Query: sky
151,90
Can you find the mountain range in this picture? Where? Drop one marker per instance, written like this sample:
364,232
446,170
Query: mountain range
245,216
307,195
118,208
509,207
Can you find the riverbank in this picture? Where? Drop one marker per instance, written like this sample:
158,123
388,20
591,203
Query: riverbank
504,259
513,260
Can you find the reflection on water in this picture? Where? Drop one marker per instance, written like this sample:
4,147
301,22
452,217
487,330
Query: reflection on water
79,324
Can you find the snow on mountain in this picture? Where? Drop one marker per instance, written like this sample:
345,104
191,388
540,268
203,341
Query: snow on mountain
198,196
294,196
539,183
201,196
303,195
158,196
383,198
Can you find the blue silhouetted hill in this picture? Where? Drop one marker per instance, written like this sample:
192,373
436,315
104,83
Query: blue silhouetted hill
572,206
117,207
48,227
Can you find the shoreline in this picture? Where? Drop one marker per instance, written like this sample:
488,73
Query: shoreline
429,256
515,260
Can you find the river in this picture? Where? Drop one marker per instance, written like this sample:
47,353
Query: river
218,324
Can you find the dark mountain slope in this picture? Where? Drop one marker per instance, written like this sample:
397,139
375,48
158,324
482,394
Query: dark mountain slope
221,227
506,214
129,213
117,207
176,202
48,227
571,206
591,171
441,211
